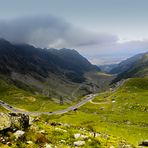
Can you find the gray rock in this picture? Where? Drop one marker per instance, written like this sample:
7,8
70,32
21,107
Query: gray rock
13,121
79,136
47,145
5,121
19,133
84,136
59,129
79,143
76,136
19,120
29,142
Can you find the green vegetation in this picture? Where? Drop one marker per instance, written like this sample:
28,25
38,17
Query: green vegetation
100,79
61,135
26,97
134,67
2,109
26,100
122,113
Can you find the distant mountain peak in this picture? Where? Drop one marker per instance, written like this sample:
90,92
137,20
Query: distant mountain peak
136,66
24,58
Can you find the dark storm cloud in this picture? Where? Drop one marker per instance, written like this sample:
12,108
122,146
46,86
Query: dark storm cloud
49,31
54,32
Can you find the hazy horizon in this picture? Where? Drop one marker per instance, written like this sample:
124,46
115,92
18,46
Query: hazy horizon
104,31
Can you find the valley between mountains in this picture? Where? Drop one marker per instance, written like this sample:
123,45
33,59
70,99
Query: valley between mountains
57,98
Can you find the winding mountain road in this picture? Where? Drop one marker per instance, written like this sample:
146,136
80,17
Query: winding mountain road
37,113
71,108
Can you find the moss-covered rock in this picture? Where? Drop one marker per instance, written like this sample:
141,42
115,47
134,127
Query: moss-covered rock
19,120
13,120
5,121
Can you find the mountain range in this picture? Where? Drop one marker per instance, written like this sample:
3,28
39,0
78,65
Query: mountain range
62,72
26,59
45,70
136,66
50,80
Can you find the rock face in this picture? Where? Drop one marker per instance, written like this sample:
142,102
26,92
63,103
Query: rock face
13,120
19,120
5,121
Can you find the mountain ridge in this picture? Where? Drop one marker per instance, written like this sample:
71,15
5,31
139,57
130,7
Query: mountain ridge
48,70
126,64
24,58
138,68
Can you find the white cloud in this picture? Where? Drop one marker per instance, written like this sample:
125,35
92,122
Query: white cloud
53,32
49,31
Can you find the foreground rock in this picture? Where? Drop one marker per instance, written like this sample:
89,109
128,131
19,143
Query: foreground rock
5,121
79,143
80,136
48,145
13,120
19,133
76,136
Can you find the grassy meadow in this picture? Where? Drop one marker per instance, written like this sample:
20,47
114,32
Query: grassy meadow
122,113
26,100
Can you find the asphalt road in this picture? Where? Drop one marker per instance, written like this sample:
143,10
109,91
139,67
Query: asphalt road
71,108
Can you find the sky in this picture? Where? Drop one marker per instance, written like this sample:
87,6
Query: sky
104,31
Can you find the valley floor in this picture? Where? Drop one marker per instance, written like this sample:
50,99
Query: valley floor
122,113
120,117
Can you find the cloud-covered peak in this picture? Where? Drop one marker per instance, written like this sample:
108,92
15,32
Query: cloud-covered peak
49,31
53,32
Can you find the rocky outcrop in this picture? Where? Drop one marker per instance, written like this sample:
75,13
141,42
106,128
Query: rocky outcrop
13,120
19,120
5,121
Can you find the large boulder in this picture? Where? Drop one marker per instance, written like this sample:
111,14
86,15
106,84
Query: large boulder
19,120
5,121
13,120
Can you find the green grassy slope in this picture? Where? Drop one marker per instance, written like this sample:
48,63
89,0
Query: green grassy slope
61,135
138,69
26,97
122,113
26,100
2,109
